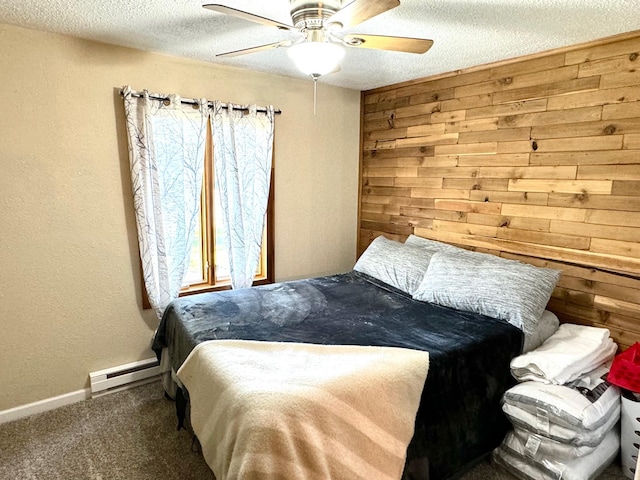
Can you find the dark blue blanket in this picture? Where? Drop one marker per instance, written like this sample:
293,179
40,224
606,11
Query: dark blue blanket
459,419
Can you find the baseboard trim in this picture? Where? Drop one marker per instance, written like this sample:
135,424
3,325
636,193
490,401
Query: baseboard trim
45,405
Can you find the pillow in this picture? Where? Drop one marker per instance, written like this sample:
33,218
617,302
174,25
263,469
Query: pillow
430,245
394,263
547,326
497,287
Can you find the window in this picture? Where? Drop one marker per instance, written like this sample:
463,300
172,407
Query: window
209,266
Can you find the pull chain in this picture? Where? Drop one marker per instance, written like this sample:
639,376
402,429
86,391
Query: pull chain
315,77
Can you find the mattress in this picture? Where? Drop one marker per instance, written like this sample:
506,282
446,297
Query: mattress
459,419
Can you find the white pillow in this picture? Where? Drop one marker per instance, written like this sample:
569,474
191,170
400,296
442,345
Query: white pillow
497,287
399,265
431,245
547,326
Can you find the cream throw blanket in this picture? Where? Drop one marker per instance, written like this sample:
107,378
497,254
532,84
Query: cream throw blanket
276,410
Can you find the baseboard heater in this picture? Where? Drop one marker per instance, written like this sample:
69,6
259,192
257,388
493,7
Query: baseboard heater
119,378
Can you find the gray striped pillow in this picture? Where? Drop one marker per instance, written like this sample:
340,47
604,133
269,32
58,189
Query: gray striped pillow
478,282
399,265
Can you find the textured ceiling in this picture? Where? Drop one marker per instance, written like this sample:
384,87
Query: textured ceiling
466,32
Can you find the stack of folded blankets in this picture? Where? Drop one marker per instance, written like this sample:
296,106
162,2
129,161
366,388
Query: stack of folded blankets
564,413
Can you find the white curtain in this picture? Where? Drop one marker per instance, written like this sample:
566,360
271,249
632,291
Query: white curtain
166,153
242,151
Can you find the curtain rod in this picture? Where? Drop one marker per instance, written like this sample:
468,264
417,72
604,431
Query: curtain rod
191,101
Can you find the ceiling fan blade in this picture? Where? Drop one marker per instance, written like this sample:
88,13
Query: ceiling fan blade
360,10
234,12
260,48
381,42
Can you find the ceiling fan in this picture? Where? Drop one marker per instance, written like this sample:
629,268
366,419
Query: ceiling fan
319,49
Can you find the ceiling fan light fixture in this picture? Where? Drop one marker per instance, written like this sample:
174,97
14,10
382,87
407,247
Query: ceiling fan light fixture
316,58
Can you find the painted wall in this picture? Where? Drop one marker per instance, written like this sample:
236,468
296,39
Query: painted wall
70,297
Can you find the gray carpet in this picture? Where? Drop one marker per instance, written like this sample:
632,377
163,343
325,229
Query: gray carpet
127,435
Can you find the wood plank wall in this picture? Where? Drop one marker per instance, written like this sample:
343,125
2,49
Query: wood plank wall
536,159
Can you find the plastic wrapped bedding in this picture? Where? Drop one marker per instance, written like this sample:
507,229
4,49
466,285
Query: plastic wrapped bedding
540,424
524,462
587,403
547,448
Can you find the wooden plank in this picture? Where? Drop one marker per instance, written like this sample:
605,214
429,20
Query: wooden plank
440,193
609,217
412,121
573,297
387,228
543,238
525,146
524,198
620,79
406,221
527,106
443,139
601,202
424,130
623,187
467,149
632,142
539,211
414,110
610,142
481,124
591,230
391,172
621,307
621,110
552,172
490,184
547,90
501,135
379,182
465,103
464,228
597,157
379,208
434,182
561,186
452,116
451,172
609,172
597,97
579,257
520,223
583,129
609,65
400,152
388,134
607,281
505,160
615,247
603,50
418,95
386,191
573,115
512,81
468,206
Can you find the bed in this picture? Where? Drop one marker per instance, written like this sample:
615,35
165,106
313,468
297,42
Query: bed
458,418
